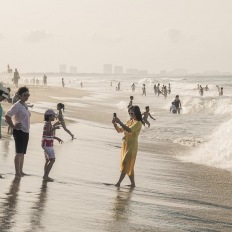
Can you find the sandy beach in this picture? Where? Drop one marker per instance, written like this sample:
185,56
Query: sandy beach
170,195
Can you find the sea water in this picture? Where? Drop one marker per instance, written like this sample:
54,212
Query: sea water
172,193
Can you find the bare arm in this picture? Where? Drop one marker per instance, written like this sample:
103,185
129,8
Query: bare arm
58,139
126,128
11,124
151,116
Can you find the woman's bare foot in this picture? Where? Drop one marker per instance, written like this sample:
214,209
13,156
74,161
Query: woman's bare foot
46,178
23,174
72,136
117,185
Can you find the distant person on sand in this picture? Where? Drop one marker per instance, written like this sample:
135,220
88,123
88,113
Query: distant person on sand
131,131
47,142
130,102
119,86
144,90
177,104
21,125
16,78
173,109
218,88
145,115
81,84
63,84
60,117
45,80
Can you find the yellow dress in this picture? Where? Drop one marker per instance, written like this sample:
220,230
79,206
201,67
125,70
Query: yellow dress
130,146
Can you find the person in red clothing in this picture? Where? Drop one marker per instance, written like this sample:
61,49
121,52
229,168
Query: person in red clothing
47,142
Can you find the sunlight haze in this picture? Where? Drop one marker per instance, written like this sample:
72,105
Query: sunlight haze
150,35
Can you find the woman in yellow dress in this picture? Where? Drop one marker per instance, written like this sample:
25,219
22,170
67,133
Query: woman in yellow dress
129,143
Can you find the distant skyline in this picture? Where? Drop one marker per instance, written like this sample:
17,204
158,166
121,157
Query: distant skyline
152,35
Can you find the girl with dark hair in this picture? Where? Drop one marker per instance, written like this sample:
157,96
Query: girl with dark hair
131,131
21,125
60,107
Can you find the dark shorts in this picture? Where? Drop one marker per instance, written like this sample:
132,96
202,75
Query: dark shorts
21,140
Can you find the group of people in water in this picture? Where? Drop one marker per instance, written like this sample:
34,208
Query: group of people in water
202,89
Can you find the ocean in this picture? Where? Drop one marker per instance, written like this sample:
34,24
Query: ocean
183,167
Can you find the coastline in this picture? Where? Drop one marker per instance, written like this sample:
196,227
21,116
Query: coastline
170,195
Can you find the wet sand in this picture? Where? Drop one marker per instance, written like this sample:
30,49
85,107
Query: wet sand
170,195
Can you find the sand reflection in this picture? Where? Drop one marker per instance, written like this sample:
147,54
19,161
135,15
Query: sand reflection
38,209
121,207
9,207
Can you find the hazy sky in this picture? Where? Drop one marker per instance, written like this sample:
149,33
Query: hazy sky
39,35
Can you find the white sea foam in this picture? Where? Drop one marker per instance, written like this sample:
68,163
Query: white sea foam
217,151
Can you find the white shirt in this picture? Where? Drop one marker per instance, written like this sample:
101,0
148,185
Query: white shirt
173,107
20,114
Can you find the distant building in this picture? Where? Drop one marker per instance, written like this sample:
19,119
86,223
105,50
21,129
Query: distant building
63,68
132,71
143,72
107,69
73,69
163,72
118,70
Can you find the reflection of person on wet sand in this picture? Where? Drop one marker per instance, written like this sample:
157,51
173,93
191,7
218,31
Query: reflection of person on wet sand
9,206
131,131
38,209
121,207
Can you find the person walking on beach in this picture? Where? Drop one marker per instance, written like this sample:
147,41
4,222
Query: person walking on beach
131,131
130,102
119,86
81,84
60,107
144,90
177,104
16,78
145,115
47,142
45,80
21,125
63,84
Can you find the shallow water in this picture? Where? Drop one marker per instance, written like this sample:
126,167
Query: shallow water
170,195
